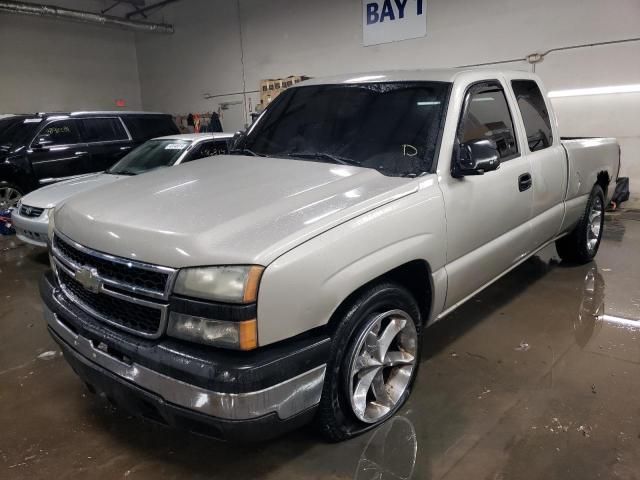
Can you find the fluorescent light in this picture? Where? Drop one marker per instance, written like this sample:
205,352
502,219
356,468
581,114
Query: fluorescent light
366,78
577,92
623,322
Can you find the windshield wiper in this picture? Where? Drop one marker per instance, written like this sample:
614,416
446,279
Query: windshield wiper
323,156
246,151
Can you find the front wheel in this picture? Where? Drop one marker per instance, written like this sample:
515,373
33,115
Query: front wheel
373,364
10,195
582,244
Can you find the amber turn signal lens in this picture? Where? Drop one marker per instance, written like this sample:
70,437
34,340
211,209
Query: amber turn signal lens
248,335
253,281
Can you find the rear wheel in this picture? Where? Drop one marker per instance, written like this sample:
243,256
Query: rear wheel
374,361
10,195
582,244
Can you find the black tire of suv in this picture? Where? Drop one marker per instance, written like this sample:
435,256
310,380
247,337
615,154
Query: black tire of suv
4,184
572,248
335,419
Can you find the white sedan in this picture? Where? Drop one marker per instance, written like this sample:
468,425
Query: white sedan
31,216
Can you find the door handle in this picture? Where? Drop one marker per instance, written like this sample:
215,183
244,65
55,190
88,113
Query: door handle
80,154
524,182
125,148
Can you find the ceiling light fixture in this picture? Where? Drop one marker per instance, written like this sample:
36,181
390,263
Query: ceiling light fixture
578,92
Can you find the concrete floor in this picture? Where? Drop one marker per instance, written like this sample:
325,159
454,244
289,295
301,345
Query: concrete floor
523,382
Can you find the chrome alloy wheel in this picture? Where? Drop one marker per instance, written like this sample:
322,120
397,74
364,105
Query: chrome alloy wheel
9,197
382,365
595,224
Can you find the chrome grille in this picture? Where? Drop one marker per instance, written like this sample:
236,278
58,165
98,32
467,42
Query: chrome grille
118,272
142,319
130,295
31,212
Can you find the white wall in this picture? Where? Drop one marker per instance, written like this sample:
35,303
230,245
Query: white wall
616,115
201,57
52,65
316,38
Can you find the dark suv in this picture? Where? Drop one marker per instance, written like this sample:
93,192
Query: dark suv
40,149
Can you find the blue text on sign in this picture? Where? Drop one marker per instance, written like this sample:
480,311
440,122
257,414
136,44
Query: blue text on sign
375,14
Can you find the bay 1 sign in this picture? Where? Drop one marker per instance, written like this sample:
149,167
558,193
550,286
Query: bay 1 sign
385,21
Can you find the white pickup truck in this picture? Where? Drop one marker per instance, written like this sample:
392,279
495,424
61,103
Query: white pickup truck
294,279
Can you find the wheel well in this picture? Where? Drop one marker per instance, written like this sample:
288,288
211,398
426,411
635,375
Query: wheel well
415,276
603,180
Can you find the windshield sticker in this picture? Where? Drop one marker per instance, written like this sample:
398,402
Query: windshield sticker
409,150
176,146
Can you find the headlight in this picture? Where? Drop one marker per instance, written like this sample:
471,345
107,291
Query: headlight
218,333
231,284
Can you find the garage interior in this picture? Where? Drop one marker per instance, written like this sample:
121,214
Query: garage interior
534,377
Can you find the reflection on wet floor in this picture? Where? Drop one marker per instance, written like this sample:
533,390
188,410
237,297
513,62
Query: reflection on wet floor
390,453
534,378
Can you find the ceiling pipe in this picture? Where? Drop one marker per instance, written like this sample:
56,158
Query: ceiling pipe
52,11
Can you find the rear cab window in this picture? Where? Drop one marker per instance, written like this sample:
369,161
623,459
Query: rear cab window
486,115
535,114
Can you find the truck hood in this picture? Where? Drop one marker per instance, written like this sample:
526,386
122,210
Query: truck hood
53,195
236,210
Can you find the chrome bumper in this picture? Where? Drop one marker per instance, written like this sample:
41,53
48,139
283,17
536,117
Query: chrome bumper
286,399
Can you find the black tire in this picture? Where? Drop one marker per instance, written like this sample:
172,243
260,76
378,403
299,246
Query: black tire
574,247
8,185
335,418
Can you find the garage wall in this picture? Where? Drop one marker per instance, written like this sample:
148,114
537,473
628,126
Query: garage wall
616,115
52,65
282,37
203,56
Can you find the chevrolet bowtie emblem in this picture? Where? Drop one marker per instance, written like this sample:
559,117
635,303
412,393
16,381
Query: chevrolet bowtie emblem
89,279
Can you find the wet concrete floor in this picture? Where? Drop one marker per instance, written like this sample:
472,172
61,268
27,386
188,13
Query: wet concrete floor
538,377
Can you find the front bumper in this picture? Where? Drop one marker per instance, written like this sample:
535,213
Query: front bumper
31,230
230,395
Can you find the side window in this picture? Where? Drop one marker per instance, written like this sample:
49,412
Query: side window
534,114
487,116
207,149
60,132
146,127
103,129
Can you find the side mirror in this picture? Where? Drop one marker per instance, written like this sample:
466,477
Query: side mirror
476,157
237,141
43,141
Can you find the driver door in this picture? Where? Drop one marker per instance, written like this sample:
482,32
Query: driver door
487,215
58,153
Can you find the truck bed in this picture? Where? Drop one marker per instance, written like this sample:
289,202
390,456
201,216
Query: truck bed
588,158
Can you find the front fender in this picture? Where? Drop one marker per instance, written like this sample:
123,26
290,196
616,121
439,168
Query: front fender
303,288
16,170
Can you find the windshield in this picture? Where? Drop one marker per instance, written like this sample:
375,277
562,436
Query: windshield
392,127
17,132
150,155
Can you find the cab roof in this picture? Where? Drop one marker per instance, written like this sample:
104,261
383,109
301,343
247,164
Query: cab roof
448,75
